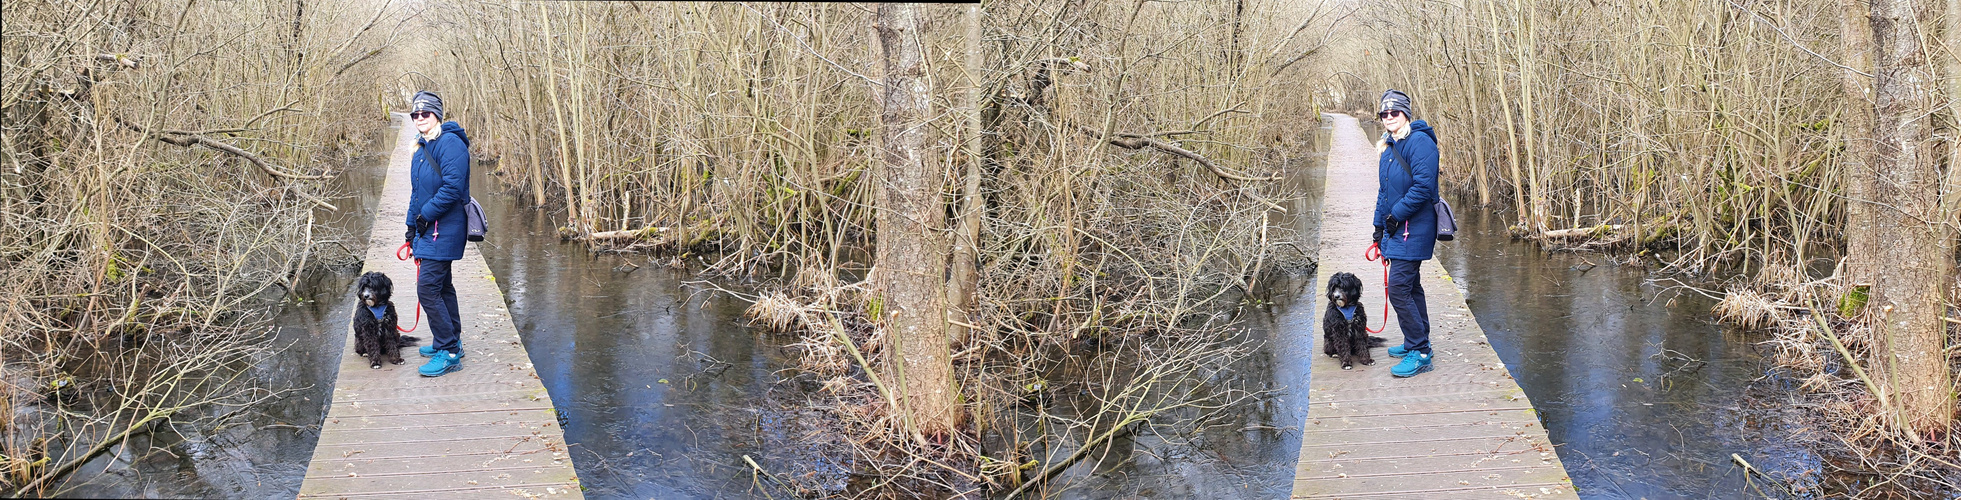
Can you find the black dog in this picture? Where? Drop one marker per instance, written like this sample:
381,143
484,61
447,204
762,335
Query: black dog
1346,335
375,335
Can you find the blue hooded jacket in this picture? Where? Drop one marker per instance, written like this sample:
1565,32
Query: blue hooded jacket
439,176
1409,197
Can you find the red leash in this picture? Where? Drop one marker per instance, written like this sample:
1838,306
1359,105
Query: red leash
1374,253
404,253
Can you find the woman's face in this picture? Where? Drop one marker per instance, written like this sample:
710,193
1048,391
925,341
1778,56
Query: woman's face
425,122
1394,121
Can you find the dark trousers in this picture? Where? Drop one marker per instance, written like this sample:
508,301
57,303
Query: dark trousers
437,294
1412,312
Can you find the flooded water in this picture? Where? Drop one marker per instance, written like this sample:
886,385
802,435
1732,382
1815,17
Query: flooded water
264,454
1642,393
664,390
662,386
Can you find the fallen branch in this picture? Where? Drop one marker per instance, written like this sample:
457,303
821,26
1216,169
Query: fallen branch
1139,141
188,139
1850,360
647,232
1082,452
98,449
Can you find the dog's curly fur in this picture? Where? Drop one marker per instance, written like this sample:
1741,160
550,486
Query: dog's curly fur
377,338
1342,337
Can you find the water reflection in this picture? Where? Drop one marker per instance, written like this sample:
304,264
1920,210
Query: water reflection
1641,392
662,387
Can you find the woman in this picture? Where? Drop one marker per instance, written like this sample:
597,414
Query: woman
1406,225
440,178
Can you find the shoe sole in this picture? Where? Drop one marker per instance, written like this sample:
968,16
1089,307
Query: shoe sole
1419,371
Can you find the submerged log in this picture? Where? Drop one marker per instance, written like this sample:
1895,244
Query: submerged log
647,232
1600,231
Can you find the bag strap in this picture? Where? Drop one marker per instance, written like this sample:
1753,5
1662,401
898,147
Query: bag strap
1400,160
437,163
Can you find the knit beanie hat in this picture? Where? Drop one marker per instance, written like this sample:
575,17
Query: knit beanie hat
426,101
1396,100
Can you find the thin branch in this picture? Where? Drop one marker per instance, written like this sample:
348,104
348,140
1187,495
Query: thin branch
1794,42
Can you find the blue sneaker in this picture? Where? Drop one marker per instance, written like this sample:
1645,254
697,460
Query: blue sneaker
1395,351
429,351
1414,363
440,364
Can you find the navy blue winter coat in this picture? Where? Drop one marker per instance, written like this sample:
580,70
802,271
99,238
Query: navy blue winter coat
440,193
1409,197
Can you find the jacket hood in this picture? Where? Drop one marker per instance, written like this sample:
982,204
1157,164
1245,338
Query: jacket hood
448,128
1414,127
457,128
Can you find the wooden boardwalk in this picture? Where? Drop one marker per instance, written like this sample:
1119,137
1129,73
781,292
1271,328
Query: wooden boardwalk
1462,430
487,431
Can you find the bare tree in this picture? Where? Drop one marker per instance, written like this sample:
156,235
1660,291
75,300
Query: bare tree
909,279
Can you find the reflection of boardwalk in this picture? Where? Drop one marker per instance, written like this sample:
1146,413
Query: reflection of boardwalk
486,431
1463,430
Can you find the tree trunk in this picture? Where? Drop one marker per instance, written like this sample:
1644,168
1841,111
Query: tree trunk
1856,35
1916,256
962,286
1528,67
910,273
1519,188
558,116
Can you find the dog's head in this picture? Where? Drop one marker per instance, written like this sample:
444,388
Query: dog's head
1344,289
375,289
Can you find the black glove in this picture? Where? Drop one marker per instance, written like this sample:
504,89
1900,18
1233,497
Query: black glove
421,225
1378,235
1392,223
408,236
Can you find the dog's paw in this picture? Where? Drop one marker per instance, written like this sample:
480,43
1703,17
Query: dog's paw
375,366
395,361
1347,367
1331,356
1369,362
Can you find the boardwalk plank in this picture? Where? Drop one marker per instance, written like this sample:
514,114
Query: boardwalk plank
1463,430
487,430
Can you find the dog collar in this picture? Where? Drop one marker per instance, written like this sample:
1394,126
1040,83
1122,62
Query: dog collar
378,311
1347,313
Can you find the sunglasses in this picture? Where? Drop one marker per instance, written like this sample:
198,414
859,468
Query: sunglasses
422,114
1386,114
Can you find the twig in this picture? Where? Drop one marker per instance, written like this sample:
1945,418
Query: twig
1794,42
